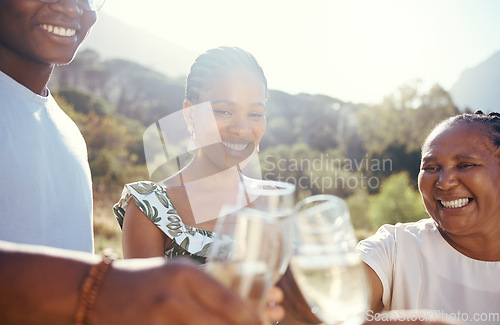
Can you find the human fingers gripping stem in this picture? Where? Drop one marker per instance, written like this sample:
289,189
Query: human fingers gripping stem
175,292
273,312
296,308
222,302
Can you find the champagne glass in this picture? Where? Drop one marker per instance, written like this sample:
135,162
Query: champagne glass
327,269
244,253
269,196
277,199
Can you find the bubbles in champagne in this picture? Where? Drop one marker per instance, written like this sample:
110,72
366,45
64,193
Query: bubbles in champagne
336,290
249,279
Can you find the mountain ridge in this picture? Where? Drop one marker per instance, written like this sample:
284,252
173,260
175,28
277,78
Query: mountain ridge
477,87
114,39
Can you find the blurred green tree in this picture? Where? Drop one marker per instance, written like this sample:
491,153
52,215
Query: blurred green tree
397,201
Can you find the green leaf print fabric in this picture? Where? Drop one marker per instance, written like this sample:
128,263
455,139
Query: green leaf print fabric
154,202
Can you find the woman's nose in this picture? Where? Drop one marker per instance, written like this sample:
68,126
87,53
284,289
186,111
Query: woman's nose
240,126
447,179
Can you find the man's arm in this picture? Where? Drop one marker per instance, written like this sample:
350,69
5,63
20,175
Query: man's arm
41,285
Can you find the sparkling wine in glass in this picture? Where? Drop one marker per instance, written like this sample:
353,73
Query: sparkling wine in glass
325,265
244,253
277,199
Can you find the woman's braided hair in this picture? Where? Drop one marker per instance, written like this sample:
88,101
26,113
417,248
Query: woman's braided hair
490,121
215,63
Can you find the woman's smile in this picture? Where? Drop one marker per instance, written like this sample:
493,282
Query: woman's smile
235,146
455,204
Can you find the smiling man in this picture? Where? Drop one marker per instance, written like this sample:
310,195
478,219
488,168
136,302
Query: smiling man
46,199
44,172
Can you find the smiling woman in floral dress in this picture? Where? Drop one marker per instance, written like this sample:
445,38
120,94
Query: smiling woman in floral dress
164,218
224,108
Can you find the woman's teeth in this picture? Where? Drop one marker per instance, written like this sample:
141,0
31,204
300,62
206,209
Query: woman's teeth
235,146
57,30
455,203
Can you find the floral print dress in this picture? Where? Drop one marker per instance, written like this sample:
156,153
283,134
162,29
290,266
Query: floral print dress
154,202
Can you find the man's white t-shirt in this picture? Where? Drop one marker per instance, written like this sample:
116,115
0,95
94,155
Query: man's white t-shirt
420,270
45,183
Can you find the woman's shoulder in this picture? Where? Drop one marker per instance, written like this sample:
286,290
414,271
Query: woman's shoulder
150,197
416,228
402,233
143,187
153,200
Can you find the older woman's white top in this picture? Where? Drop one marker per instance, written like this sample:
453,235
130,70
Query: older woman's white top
419,269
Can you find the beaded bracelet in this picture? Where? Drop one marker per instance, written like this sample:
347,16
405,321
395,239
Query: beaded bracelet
90,287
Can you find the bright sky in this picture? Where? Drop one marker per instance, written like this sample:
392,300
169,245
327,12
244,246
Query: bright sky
354,50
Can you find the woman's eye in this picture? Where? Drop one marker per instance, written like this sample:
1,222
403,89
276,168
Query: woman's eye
465,165
221,112
430,168
257,115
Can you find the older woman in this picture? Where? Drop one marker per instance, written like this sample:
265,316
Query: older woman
451,261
